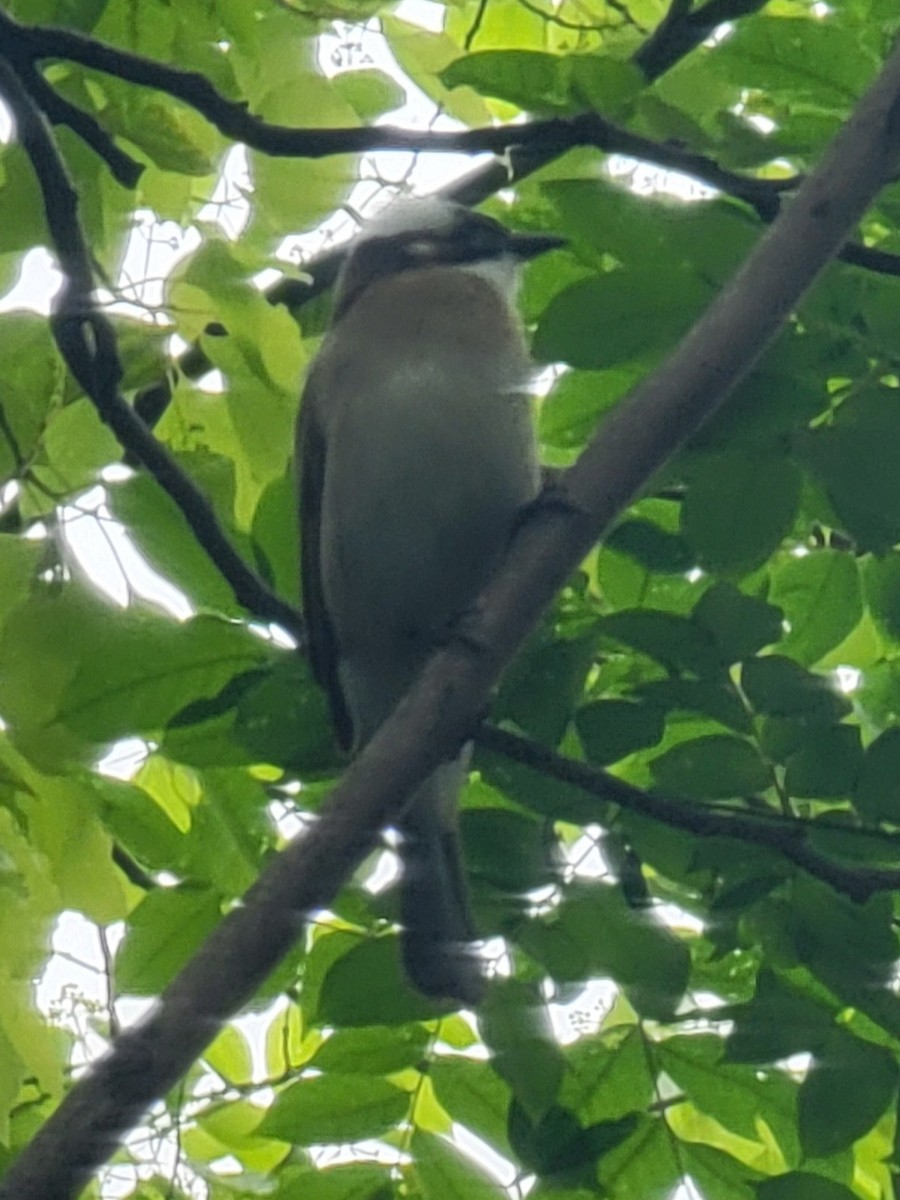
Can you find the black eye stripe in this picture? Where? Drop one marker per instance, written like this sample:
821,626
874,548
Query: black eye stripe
471,238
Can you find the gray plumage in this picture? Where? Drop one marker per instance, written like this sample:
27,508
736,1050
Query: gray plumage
417,453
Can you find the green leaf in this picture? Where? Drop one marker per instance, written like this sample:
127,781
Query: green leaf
844,1067
529,79
608,1079
334,1108
881,578
715,698
147,668
544,684
172,135
780,687
164,931
801,1185
646,1166
877,794
777,1022
108,673
474,1095
735,1096
569,415
604,83
827,762
672,640
138,823
22,222
346,1181
230,1056
229,833
813,61
282,718
443,1173
276,537
741,625
19,562
159,529
556,1145
514,1027
820,596
423,55
717,1173
369,93
714,767
654,548
620,317
647,233
374,1050
76,445
852,458
612,729
739,506
366,987
594,932
32,375
508,849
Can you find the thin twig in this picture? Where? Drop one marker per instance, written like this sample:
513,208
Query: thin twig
472,33
789,836
684,28
59,111
86,339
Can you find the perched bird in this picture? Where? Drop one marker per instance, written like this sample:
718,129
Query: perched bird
416,453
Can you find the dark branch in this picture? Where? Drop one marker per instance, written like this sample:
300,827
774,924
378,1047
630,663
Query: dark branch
684,28
551,136
527,147
87,342
788,836
59,111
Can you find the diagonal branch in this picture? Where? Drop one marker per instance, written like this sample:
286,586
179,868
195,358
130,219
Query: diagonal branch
684,28
440,710
59,111
87,342
789,836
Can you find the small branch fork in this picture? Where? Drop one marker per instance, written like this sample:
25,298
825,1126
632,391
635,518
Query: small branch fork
87,342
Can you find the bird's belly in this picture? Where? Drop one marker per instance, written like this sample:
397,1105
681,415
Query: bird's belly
436,489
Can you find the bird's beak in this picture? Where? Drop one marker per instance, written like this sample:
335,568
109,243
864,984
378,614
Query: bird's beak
526,246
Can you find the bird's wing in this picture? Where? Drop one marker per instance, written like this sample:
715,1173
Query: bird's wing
323,647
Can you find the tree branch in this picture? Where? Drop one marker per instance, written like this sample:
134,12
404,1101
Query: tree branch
787,835
125,169
439,712
684,28
87,342
553,135
526,147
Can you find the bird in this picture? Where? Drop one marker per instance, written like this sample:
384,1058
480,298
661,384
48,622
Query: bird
416,454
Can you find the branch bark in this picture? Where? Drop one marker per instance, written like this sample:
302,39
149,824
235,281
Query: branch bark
788,836
440,710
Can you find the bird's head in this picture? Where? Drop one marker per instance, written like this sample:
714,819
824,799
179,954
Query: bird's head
415,234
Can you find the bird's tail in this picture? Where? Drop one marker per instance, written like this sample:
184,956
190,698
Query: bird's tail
438,929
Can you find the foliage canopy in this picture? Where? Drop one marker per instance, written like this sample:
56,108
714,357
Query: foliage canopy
719,960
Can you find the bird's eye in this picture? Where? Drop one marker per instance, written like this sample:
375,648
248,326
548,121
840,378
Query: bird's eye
424,249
